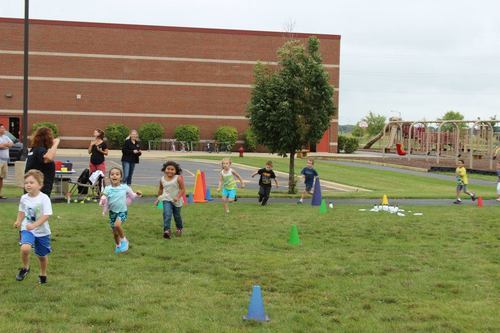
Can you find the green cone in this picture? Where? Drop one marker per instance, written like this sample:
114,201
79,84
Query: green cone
160,205
294,236
323,209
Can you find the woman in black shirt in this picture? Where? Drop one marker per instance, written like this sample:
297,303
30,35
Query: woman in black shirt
131,151
97,150
41,156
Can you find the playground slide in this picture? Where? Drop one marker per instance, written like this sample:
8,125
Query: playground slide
394,131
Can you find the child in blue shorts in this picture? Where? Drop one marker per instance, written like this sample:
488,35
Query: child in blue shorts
310,175
116,195
228,183
33,218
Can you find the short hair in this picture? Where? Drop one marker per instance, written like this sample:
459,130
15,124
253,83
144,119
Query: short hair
115,168
37,174
269,163
311,160
177,167
43,137
462,161
101,133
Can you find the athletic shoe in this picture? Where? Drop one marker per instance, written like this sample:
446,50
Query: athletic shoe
166,234
42,279
178,232
235,198
22,273
473,196
457,202
118,249
124,245
299,202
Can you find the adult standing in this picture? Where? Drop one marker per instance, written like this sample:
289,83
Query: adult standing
131,151
97,150
41,156
5,144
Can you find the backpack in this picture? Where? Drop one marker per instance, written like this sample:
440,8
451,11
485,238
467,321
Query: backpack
84,179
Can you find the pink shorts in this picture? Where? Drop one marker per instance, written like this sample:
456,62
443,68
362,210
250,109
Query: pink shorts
95,167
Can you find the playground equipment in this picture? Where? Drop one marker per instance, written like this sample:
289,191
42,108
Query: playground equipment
441,139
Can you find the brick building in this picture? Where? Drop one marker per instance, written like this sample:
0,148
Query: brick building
87,75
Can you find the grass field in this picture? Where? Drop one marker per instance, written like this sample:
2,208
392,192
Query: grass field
354,271
380,182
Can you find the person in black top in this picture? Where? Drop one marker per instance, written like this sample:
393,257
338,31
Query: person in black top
41,157
97,150
131,151
266,175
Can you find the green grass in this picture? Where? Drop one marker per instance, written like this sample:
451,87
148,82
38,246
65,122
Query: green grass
490,178
354,271
380,182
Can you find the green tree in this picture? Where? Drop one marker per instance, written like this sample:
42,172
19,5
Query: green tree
187,133
116,134
48,124
376,123
452,115
291,106
358,132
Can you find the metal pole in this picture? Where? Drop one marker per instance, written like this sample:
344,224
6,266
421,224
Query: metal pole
25,82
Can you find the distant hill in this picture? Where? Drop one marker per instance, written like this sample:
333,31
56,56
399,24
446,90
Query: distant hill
344,129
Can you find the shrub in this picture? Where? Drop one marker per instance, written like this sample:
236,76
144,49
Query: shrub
187,133
116,134
250,140
151,132
226,134
358,132
348,144
52,126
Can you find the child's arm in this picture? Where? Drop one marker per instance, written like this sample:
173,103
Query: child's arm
37,223
220,183
255,173
160,192
276,181
182,189
20,218
237,175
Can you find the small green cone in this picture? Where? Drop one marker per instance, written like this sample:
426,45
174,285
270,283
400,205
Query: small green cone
323,209
160,205
294,236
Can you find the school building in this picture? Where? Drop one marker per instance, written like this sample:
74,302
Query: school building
86,75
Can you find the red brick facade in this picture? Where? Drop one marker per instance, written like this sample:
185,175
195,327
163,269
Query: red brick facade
87,75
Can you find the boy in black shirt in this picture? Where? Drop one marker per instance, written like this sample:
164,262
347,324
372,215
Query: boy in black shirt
266,174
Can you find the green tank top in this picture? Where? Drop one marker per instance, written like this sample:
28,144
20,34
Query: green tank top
228,181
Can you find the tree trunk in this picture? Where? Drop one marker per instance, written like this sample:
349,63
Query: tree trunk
291,173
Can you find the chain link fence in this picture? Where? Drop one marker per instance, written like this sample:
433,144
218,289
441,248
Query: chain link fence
210,146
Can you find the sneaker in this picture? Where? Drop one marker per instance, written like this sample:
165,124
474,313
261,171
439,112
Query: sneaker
42,279
299,202
235,198
124,245
118,249
166,234
473,196
22,273
178,232
227,211
457,202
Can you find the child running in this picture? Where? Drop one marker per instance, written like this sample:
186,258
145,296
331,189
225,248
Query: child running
170,193
462,182
116,194
266,174
228,183
309,174
33,218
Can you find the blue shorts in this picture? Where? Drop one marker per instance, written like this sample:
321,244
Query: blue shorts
113,216
462,187
309,187
41,244
231,194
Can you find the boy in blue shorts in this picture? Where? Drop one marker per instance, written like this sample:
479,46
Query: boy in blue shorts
309,175
33,218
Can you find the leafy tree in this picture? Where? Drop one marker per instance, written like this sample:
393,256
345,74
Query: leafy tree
250,140
187,133
376,123
48,124
358,132
116,134
226,134
291,106
452,115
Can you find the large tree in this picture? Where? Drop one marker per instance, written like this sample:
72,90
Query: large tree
452,115
291,104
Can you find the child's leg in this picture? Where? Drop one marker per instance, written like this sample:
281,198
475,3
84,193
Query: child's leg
225,204
118,232
43,265
459,188
167,215
25,255
177,217
267,191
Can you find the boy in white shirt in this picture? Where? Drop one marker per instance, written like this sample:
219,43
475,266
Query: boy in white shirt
33,218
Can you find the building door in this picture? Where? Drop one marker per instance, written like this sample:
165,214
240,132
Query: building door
14,128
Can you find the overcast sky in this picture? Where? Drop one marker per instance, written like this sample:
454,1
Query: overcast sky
417,58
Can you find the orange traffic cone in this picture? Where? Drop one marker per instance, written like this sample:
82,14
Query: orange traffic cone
199,194
480,201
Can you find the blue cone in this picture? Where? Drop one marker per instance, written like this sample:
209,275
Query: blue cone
190,198
256,307
208,195
316,199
